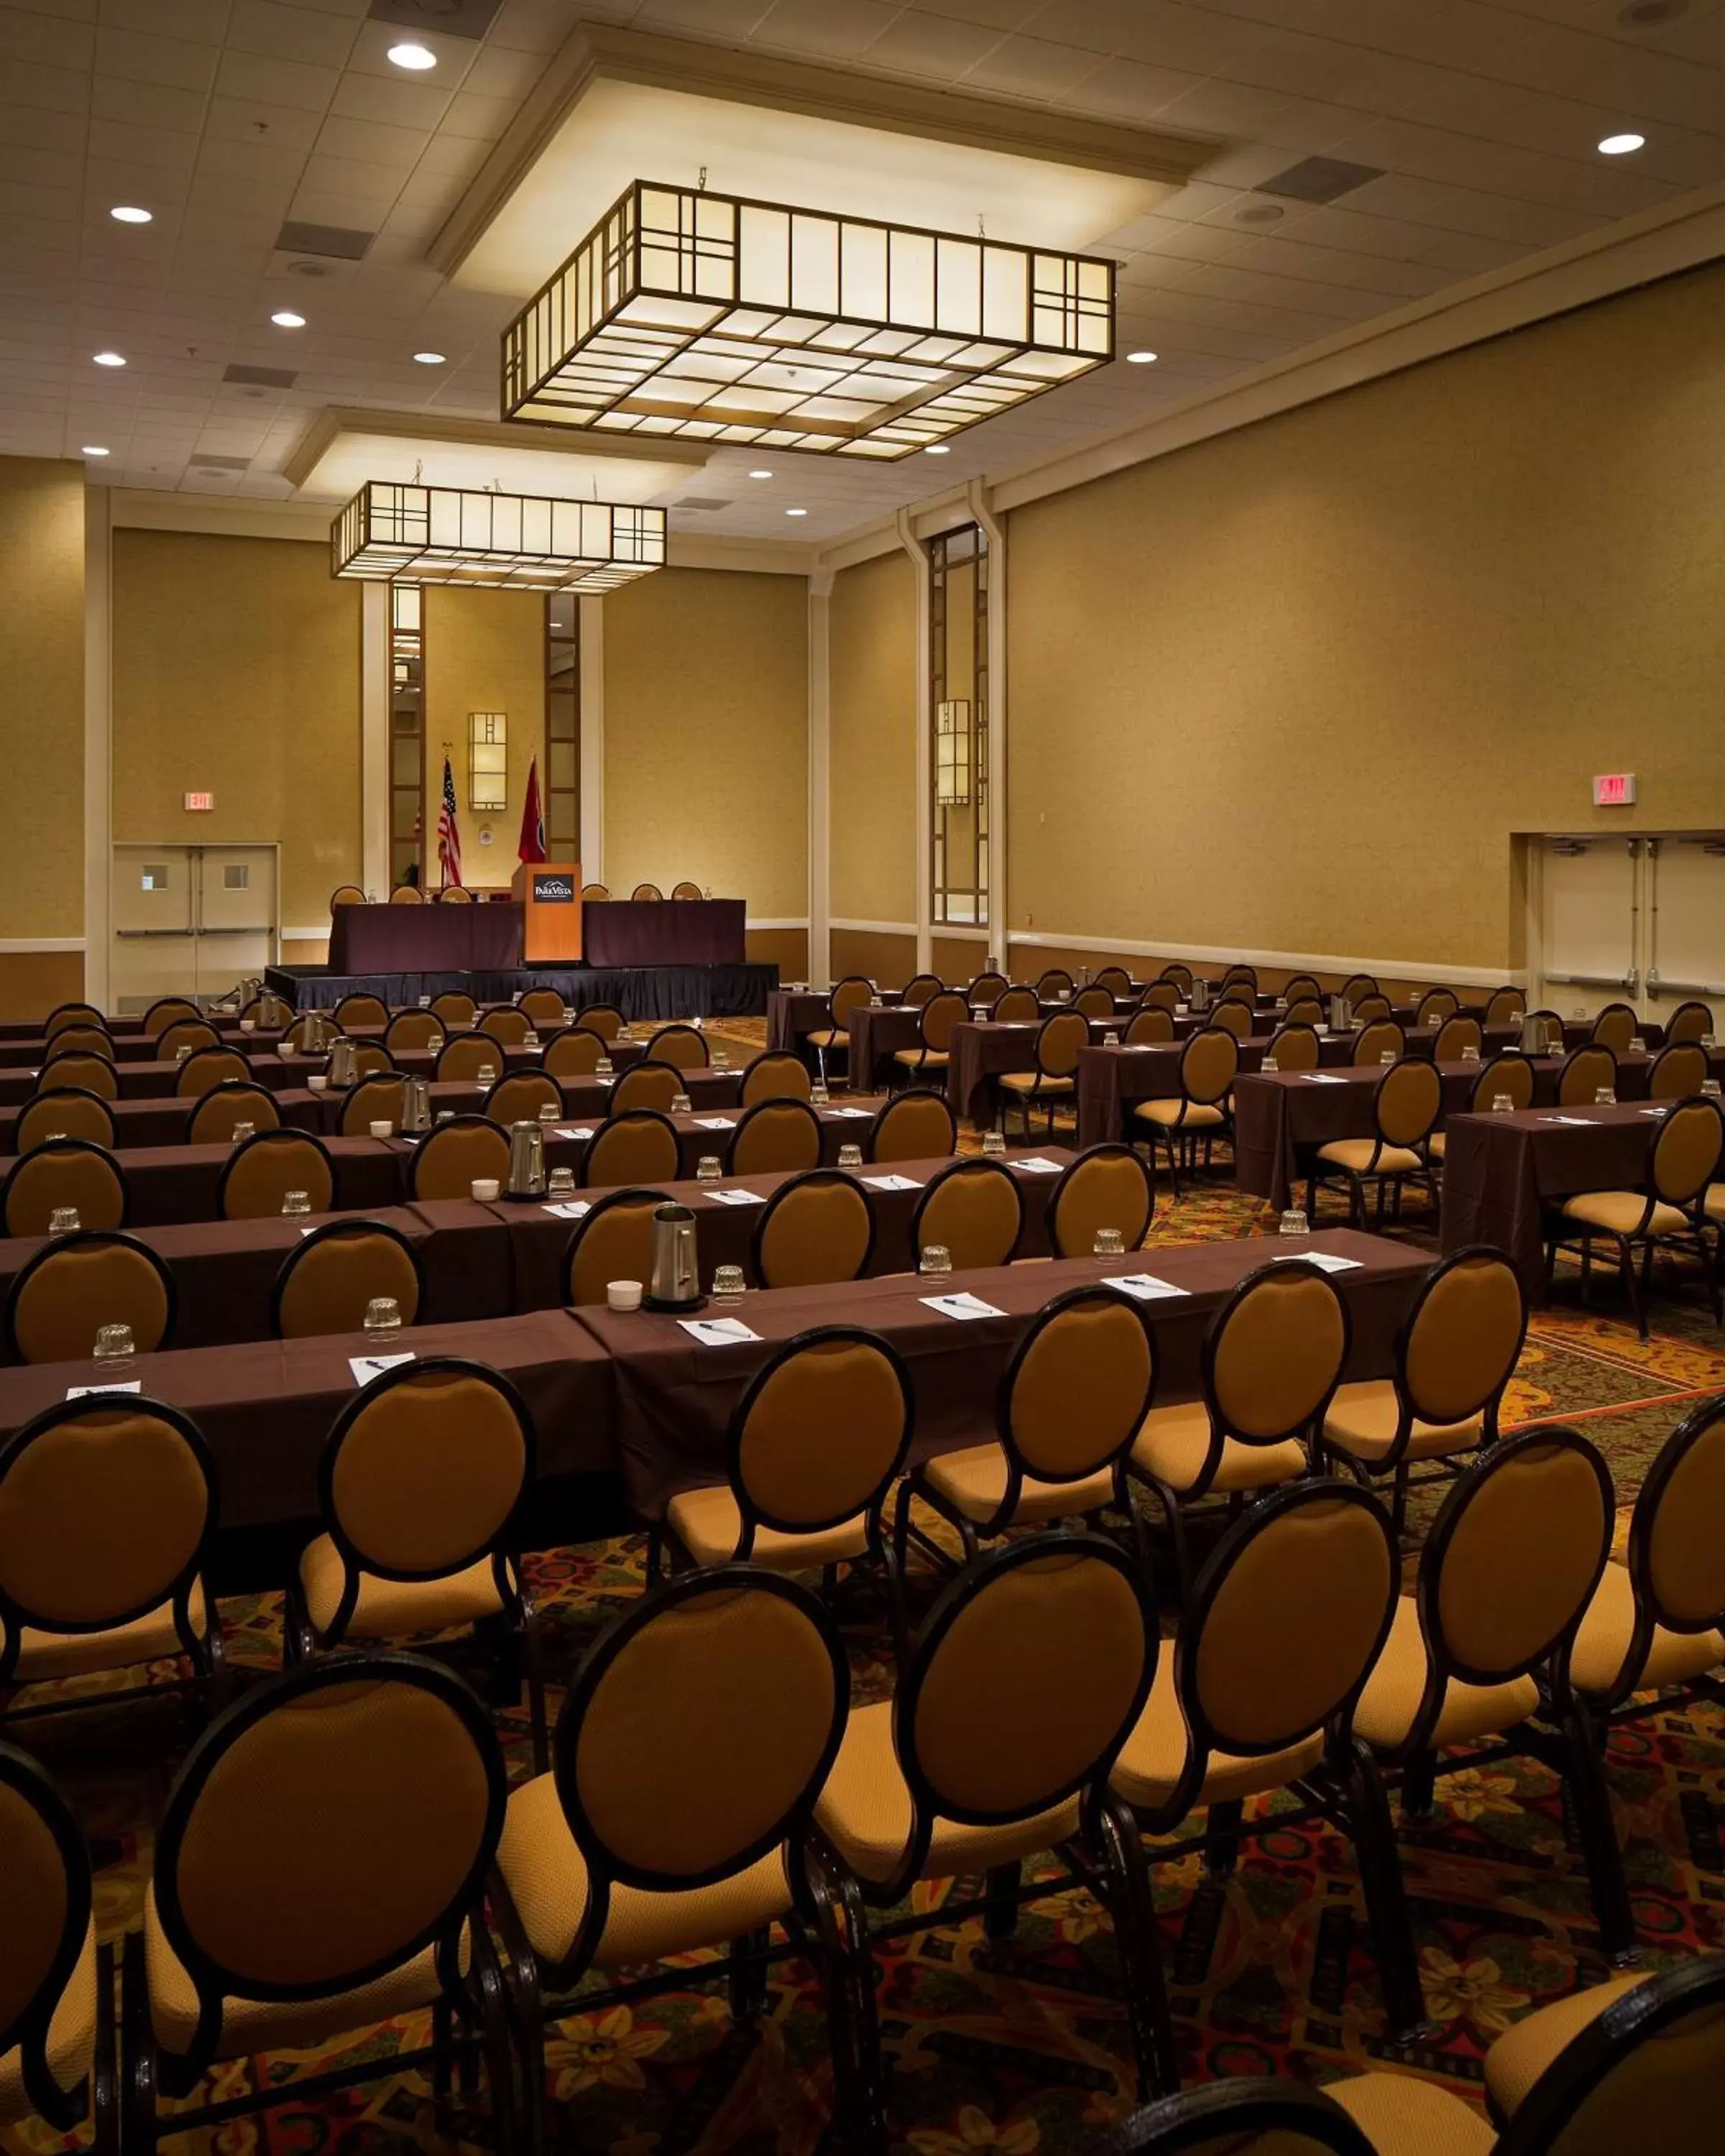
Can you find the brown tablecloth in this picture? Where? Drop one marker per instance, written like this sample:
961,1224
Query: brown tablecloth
675,1398
792,1014
266,1407
169,1183
128,1047
1112,1080
484,936
841,1126
709,1090
877,1033
671,932
166,1119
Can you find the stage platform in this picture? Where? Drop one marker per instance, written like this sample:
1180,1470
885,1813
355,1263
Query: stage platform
644,993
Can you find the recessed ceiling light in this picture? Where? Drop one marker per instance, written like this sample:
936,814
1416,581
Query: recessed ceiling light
126,213
1141,359
796,512
429,358
284,318
415,58
935,450
760,475
1620,145
92,449
108,359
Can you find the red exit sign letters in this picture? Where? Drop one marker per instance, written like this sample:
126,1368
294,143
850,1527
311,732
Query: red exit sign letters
1614,789
198,801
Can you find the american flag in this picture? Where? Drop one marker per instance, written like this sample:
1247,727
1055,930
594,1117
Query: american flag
448,832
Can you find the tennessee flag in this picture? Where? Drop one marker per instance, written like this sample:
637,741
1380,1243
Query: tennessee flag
531,847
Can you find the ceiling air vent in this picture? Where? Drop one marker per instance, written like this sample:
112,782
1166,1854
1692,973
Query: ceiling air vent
702,501
1320,179
263,378
200,462
449,18
336,240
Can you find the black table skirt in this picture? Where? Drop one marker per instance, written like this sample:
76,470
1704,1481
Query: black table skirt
639,992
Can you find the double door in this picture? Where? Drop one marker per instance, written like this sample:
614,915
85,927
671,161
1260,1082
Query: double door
191,920
1638,921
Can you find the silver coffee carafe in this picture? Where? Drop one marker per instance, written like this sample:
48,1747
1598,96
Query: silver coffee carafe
1198,996
343,1062
1532,1034
673,1283
415,1105
1341,1014
527,1160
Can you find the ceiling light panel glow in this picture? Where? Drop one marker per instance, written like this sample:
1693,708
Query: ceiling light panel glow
446,534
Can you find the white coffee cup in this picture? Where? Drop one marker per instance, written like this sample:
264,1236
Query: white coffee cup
317,1081
383,1130
484,1188
624,1294
248,1025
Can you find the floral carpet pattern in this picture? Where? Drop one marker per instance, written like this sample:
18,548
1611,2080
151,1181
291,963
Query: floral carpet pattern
1019,2047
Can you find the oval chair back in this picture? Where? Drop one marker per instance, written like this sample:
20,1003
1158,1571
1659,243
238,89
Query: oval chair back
64,1112
1690,1021
1180,974
1150,1025
648,1084
1242,980
613,1242
542,1008
452,894
61,1172
507,1026
347,894
1209,1064
74,1039
986,989
1586,1072
817,1228
917,1125
1678,1071
573,1053
413,1028
361,1010
1274,1355
78,1283
1295,1047
457,1154
1675,1557
1161,995
225,1107
407,894
87,1015
1079,1383
465,1056
1436,1005
1506,1006
1234,1017
372,1058
85,1072
454,1007
604,1020
1357,985
921,990
1379,1038
45,1887
1406,1103
775,1075
1016,1006
1114,981
774,1138
1304,1010
375,1100
819,1436
1370,1009
259,1173
639,1146
1301,987
685,888
164,1012
1618,1029
1053,982
519,1097
1685,1153
1458,1347
1109,1186
1455,1035
974,1210
645,893
1094,1002
595,891
684,1047
339,1267
940,1014
1510,1075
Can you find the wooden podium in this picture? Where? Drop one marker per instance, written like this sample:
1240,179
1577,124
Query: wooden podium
550,896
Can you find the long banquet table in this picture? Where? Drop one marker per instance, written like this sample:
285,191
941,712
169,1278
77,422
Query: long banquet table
484,936
666,931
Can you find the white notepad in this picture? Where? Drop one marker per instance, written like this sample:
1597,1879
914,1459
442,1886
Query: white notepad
1323,1259
716,1122
1319,1078
365,1368
570,1208
1037,1165
851,1114
84,1392
574,1134
735,1197
891,1183
1145,1286
962,1305
1578,1122
717,1331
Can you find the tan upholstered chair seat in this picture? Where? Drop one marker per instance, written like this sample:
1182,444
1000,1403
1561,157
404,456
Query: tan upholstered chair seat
827,1037
1437,1144
1364,1156
1362,1418
71,2038
1620,1213
974,1482
1153,1757
1402,2115
1604,1640
1172,1442
1395,1689
151,1638
707,1523
918,1058
1522,2054
1714,1202
250,2025
1198,1115
1034,1081
388,1608
866,1811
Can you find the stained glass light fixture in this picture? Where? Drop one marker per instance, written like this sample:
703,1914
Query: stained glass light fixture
529,542
723,320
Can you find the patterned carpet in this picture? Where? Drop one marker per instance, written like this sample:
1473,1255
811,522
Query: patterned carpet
1021,2047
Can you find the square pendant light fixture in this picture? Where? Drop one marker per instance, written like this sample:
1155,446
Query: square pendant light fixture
526,542
728,321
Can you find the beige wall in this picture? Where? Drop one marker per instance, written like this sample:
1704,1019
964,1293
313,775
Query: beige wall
484,651
872,753
707,736
1293,688
41,708
236,672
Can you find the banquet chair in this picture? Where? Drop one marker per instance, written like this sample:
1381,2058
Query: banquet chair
1505,1077
1256,1694
1455,1351
1678,1071
816,1442
1377,1038
914,1125
645,1086
1161,995
57,1998
986,989
816,1228
845,998
407,894
1180,974
452,894
1149,1025
361,1010
1506,1006
1357,985
413,1028
226,1105
685,1763
288,1905
604,1020
1267,2115
1301,987
1295,1047
920,989
1690,1021
1273,1356
64,1112
464,1058
60,1172
206,1068
1107,1186
1241,980
975,1210
542,1008
1436,1005
1618,1029
1668,1214
1016,1006
1585,1072
635,1145
520,1098
310,1033
347,894
775,1076
1022,1683
455,1155
1094,1002
774,1138
686,890
108,1514
1454,1035
190,1033
65,1014
1468,1660
594,891
375,1100
683,1046
614,1241
419,1493
507,1026
372,1058
1370,1009
87,1072
1055,1080
326,1284
1208,1062
1551,1032
454,1007
1406,1103
1304,1010
647,891
933,1052
261,1170
164,1012
1114,981
75,1040
1053,982
79,1282
1077,1389
1234,1017
573,1053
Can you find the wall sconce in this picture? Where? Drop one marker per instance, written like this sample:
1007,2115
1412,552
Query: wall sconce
488,759
953,756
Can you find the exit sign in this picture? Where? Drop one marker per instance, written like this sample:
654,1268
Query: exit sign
194,801
1614,789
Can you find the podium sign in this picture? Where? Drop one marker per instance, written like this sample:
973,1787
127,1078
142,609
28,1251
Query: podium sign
550,894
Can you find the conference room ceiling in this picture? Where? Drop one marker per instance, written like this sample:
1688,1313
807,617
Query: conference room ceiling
1450,137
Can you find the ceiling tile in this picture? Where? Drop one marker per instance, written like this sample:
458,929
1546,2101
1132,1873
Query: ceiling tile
400,103
930,45
206,20
50,89
148,105
370,142
45,40
276,81
291,34
835,29
171,63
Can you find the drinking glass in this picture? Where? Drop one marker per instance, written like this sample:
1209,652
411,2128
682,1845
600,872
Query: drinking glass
562,1182
446,1114
993,1142
294,1203
1709,1087
182,1051
1503,1104
1270,1063
681,1105
1110,1243
530,1038
488,1074
850,1156
817,1095
1470,1054
382,1314
63,1221
603,1068
114,1344
1388,1056
1111,1039
937,1258
728,1284
709,1169
1604,1096
721,1061
1294,1222
549,1111
242,1132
